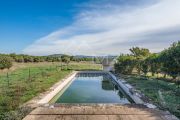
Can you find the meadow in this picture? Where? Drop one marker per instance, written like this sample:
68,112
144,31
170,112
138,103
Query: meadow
164,94
26,80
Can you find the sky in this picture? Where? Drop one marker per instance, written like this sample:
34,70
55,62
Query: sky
87,27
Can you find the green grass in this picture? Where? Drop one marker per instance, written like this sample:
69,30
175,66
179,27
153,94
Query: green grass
85,66
22,87
26,81
164,94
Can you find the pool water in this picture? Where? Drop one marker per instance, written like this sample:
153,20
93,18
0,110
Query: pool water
92,88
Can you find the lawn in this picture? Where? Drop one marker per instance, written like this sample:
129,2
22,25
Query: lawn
166,95
25,81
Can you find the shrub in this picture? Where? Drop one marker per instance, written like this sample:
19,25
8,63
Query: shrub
5,62
19,59
18,114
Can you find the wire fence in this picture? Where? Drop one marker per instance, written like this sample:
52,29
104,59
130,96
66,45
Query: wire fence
18,86
30,73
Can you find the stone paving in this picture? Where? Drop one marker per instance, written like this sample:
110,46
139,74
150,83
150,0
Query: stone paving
97,112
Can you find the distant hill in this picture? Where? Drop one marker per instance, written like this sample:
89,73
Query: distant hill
83,56
56,55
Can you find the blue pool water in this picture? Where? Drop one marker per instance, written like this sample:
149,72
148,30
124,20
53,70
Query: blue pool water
92,88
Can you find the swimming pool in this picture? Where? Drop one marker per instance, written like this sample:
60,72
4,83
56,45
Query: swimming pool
92,88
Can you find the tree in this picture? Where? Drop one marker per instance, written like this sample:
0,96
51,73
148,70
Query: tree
5,62
37,59
138,64
154,63
19,58
66,59
145,66
140,52
13,56
125,64
49,59
28,58
171,61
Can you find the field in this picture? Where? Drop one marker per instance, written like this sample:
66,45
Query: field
165,95
26,80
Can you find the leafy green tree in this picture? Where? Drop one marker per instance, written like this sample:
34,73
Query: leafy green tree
37,59
66,59
170,59
5,62
125,64
13,56
19,58
154,63
49,59
28,58
140,52
138,64
145,66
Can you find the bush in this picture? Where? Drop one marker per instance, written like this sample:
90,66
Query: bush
28,59
5,62
19,59
18,114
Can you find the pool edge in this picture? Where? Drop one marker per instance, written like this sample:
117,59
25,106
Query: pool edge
61,84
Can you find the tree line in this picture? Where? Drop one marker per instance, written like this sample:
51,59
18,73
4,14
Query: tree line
142,61
6,60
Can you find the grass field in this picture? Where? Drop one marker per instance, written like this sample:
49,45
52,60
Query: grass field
165,95
24,81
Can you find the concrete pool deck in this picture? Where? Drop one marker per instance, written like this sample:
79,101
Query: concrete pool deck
98,112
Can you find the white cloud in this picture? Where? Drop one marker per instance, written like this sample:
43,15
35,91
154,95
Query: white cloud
113,30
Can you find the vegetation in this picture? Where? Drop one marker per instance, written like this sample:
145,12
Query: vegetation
5,62
66,59
7,59
163,94
142,61
154,74
30,79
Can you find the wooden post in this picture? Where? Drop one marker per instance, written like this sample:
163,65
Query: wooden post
8,78
29,74
61,65
56,67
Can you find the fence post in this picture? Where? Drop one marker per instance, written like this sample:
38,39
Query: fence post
61,65
56,68
42,73
29,74
8,78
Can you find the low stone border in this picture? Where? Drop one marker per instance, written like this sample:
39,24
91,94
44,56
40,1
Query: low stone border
127,90
132,92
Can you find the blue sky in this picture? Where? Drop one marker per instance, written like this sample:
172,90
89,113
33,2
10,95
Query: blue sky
22,22
88,27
